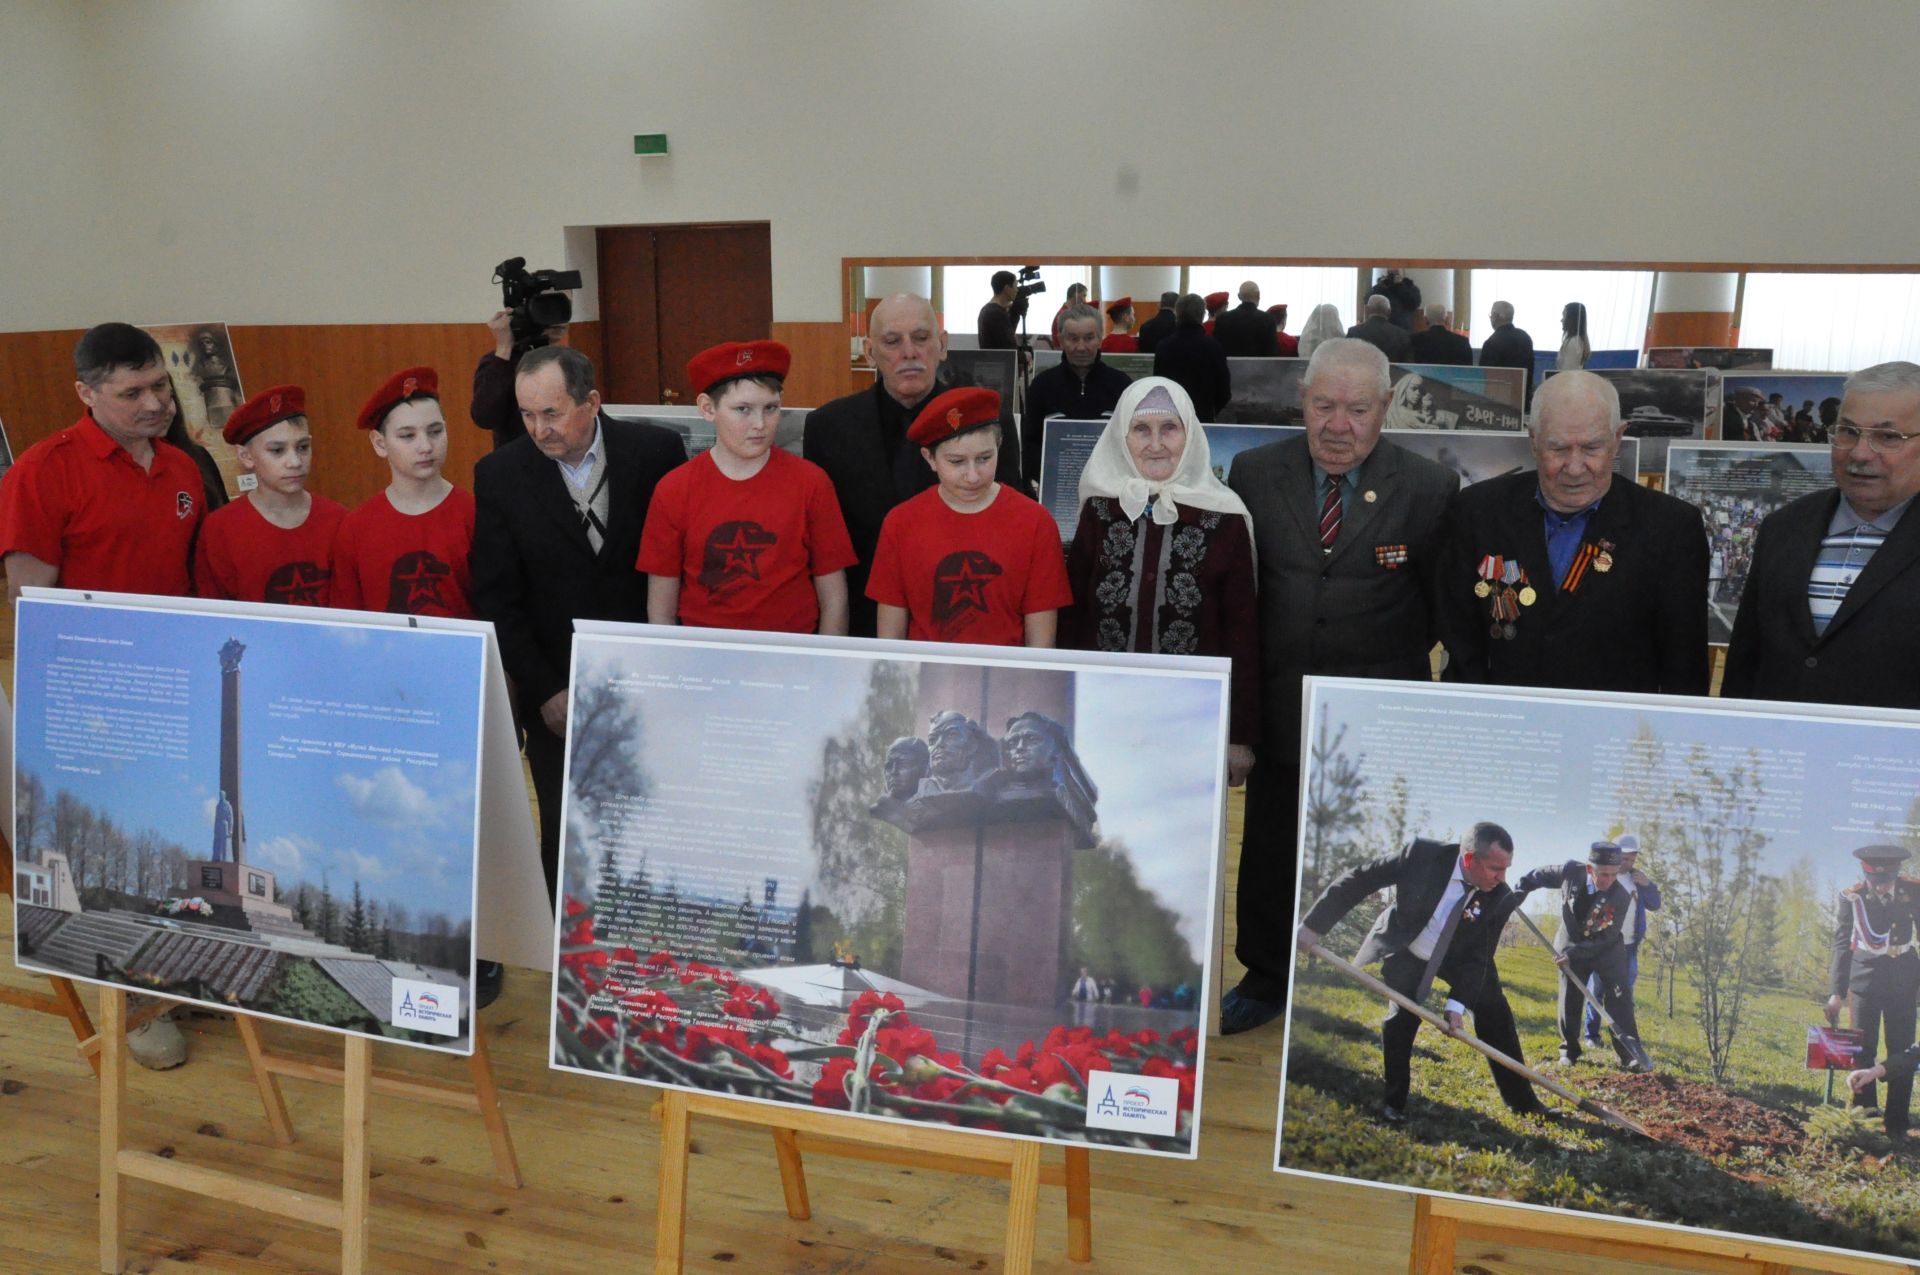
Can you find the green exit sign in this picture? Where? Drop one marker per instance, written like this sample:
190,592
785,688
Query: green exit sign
649,143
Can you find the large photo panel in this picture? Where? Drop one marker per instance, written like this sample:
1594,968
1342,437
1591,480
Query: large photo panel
963,886
1748,904
270,814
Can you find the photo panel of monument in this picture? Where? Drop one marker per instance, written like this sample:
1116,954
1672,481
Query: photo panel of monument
1701,874
1780,407
271,815
959,886
1735,486
206,385
1660,405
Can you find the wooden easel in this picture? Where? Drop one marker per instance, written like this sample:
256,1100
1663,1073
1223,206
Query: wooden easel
482,1098
347,1215
1439,1224
799,1130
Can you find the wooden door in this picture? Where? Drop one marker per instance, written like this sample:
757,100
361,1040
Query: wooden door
668,292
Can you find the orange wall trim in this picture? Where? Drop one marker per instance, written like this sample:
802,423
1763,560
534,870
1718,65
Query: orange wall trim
1691,327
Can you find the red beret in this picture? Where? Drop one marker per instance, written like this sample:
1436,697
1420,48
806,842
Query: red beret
263,411
952,412
1116,306
1277,309
733,359
1215,300
400,387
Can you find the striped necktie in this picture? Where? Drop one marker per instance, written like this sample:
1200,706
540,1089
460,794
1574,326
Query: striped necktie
1330,515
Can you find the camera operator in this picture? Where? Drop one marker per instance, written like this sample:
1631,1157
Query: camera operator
533,314
996,316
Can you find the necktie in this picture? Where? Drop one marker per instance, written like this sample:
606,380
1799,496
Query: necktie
1330,515
1440,946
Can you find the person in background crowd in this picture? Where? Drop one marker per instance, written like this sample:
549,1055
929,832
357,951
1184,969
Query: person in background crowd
1162,557
493,407
1381,332
1076,295
1832,600
1323,325
1195,361
1346,530
1285,345
1402,294
1574,349
995,324
1081,387
1508,346
1216,306
859,439
1160,326
1246,331
1121,340
1437,343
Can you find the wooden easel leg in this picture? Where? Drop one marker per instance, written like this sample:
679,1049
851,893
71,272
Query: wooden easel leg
355,1159
271,1099
1079,1183
113,1092
1433,1240
1023,1208
506,1165
67,997
670,1216
793,1174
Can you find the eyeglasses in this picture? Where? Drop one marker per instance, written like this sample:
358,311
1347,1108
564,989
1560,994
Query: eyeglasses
1883,441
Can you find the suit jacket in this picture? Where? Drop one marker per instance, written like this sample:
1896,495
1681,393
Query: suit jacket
1197,363
1394,342
1419,875
1897,917
1509,346
1641,625
1442,345
534,571
844,438
1865,656
1360,611
1155,330
1246,331
1592,922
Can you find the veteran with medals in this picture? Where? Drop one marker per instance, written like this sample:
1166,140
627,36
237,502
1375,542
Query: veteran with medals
1568,575
1876,970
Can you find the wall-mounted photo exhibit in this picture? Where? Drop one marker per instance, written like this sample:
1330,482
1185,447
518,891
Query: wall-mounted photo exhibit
996,370
264,809
963,886
1780,407
1472,454
1637,910
206,385
1735,486
1660,405
1724,357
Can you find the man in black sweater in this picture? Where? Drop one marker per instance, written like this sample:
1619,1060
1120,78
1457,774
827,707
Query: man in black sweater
1081,387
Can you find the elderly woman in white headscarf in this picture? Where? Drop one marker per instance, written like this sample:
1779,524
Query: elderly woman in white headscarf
1162,560
1322,325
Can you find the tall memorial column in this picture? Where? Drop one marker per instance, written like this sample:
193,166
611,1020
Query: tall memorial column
235,842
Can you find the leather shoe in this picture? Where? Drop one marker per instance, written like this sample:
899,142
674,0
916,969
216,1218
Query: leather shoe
1393,1115
1242,1013
1567,1057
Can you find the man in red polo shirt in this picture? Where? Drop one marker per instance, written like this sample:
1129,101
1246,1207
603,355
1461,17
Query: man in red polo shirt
106,503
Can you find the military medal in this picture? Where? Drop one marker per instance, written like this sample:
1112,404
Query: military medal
1603,562
1481,589
1489,567
1369,496
1528,597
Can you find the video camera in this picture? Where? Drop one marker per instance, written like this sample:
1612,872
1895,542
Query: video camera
536,298
1029,282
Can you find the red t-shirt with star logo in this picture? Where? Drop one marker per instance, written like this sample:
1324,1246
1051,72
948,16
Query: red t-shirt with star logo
969,577
243,557
384,560
746,550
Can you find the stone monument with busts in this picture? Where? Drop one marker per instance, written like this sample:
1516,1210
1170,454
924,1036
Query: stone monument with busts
992,827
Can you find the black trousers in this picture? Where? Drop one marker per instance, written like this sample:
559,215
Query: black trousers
1269,867
1888,1007
1613,971
546,758
1492,1023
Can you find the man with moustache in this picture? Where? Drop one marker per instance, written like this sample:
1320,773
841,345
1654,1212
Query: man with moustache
1346,526
1832,600
1081,386
858,439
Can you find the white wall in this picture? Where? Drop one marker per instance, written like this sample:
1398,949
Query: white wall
268,161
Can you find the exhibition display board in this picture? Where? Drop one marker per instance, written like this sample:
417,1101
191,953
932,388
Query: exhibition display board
1747,816
1735,486
968,888
1780,407
1724,357
206,385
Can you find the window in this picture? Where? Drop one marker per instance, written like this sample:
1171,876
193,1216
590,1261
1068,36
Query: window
964,289
1832,322
1300,287
1618,303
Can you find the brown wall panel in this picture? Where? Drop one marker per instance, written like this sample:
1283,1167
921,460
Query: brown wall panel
339,364
821,371
1691,327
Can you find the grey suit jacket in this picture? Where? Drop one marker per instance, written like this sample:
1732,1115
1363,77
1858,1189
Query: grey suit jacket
1364,610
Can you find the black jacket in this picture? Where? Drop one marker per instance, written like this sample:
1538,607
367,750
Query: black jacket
1866,654
1508,346
995,328
872,472
1059,391
534,572
1592,922
1384,336
1246,331
1640,625
1156,330
1442,345
1195,361
494,406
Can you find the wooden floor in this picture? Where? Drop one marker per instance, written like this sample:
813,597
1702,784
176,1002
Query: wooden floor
588,1153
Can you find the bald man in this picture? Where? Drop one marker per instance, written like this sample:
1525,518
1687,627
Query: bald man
857,439
1569,575
1247,331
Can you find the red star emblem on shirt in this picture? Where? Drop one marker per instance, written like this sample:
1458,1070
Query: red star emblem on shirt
418,580
732,553
960,583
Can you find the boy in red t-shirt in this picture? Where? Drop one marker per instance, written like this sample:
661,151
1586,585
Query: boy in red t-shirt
275,544
406,549
967,560
746,536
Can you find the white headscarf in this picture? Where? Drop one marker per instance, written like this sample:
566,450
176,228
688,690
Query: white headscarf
1110,470
1322,325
